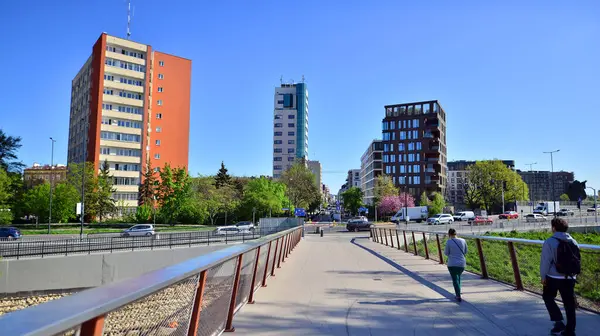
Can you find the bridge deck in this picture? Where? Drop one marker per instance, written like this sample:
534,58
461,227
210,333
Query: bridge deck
337,285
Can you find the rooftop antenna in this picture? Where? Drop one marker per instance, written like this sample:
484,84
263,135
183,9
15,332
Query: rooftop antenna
128,19
281,80
302,78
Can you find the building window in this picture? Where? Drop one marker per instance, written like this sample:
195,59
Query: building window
411,146
291,133
277,142
401,147
277,158
276,167
105,150
402,179
291,142
161,63
107,107
157,169
415,123
402,169
157,156
290,150
159,116
291,116
392,158
278,125
277,133
158,129
291,125
160,89
385,126
159,102
418,146
277,150
402,135
392,125
108,91
417,179
415,134
416,169
161,76
157,142
290,158
411,157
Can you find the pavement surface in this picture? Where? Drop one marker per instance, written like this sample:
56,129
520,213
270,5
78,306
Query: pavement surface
345,284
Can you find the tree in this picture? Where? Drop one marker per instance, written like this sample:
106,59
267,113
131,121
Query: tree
352,199
564,197
8,156
300,184
391,204
174,192
5,188
208,196
384,186
105,204
64,202
148,186
264,195
143,213
222,178
36,201
576,190
424,201
91,185
6,216
437,204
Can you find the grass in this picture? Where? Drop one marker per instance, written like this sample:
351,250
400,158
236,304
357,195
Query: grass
499,266
71,230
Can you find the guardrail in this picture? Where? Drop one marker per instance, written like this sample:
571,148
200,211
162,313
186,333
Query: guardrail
198,297
510,260
64,247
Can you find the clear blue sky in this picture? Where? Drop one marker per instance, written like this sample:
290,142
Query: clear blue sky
515,80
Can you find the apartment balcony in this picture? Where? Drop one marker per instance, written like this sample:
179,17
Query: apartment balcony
106,98
119,129
125,72
122,115
127,188
120,144
432,159
120,158
432,123
123,86
126,58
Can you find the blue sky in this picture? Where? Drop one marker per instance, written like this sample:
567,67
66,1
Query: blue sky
515,80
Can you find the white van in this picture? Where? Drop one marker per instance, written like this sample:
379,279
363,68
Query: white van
464,216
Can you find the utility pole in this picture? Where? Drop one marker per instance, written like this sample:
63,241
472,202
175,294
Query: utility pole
532,200
51,183
83,170
552,176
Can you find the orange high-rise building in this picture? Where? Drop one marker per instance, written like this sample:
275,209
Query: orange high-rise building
130,104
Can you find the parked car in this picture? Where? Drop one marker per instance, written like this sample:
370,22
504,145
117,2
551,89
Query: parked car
535,218
228,230
10,233
508,215
358,224
481,220
565,212
139,230
245,225
594,208
464,216
440,219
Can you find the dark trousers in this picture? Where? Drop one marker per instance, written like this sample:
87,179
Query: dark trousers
455,273
566,287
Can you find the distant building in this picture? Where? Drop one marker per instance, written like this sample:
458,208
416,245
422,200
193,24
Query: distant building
353,178
370,168
315,168
38,174
457,179
540,184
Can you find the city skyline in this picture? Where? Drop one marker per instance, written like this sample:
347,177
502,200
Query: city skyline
489,75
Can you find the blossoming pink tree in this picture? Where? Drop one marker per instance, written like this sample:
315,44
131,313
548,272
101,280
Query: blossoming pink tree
389,205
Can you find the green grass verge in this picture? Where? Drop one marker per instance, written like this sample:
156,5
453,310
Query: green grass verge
67,231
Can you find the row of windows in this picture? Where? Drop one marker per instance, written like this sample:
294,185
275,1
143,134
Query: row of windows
279,150
402,135
121,108
125,65
124,94
124,80
121,123
277,167
402,124
126,167
279,142
290,116
126,52
279,158
402,158
281,133
411,110
119,136
126,181
279,125
120,151
125,196
411,179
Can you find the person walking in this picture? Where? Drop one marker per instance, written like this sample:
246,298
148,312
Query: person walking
456,250
560,263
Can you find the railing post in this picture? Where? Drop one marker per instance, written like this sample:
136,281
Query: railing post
437,238
414,242
397,238
251,298
236,282
189,239
405,241
425,244
386,240
93,327
280,252
264,279
484,272
274,258
374,234
515,265
391,237
286,242
197,308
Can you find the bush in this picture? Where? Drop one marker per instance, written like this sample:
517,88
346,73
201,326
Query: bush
143,213
6,217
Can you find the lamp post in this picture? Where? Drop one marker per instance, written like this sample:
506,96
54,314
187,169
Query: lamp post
595,205
51,183
552,176
83,160
154,208
532,184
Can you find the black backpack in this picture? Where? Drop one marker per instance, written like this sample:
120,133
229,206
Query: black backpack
568,258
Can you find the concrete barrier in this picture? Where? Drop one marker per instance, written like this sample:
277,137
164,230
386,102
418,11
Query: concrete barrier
85,271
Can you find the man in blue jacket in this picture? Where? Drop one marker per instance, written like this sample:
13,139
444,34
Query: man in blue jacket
554,282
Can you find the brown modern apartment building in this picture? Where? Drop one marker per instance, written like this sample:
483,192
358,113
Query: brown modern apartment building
414,147
130,104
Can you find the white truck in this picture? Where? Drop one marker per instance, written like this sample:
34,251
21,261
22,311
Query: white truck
418,214
546,208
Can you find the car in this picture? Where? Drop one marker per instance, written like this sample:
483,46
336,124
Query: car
139,230
357,219
464,216
440,219
565,212
228,230
481,220
10,233
533,218
245,225
594,208
358,224
508,215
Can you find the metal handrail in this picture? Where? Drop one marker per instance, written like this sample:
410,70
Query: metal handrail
60,315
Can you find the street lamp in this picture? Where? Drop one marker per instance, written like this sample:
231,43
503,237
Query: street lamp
552,176
595,204
532,200
51,183
83,160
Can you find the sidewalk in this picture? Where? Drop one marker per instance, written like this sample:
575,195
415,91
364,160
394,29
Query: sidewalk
342,285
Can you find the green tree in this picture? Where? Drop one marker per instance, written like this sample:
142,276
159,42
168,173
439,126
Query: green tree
564,197
8,152
384,186
6,216
208,197
264,195
64,202
300,185
352,199
74,175
36,201
149,185
174,192
143,213
222,178
5,188
424,200
437,204
105,204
